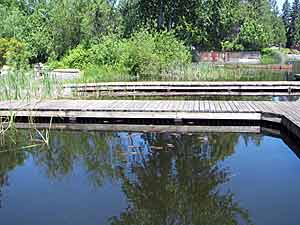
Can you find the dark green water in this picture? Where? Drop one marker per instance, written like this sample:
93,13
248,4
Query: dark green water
96,178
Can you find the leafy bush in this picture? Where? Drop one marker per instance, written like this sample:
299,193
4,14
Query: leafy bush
94,73
12,52
231,46
76,58
143,54
271,56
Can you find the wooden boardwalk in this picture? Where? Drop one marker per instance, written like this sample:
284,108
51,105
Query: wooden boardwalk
285,113
186,88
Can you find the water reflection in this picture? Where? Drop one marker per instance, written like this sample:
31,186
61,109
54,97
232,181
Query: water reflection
9,160
167,178
180,185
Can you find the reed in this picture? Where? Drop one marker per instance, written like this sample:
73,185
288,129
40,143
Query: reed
210,72
187,72
11,136
24,85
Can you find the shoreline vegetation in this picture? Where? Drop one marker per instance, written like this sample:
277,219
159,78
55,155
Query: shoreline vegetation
142,37
190,72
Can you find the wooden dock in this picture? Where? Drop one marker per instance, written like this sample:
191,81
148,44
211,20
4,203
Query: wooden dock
287,114
235,88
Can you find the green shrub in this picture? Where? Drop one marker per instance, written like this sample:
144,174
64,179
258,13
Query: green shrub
231,46
144,54
54,64
94,73
271,56
12,52
75,58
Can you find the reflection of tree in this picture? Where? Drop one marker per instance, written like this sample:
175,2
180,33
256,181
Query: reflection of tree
254,138
10,156
68,148
167,178
181,186
8,161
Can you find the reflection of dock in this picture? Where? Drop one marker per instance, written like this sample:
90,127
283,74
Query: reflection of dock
291,141
143,128
234,88
287,114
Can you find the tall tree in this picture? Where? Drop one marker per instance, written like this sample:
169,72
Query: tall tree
278,27
286,18
294,28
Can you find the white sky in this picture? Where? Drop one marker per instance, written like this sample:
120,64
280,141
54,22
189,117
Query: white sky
280,3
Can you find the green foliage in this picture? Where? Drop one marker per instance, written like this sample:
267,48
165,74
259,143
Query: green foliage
104,73
76,58
51,29
286,13
253,35
232,46
286,18
210,72
211,25
271,56
291,21
12,52
141,55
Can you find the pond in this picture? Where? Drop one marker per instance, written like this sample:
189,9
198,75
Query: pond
149,178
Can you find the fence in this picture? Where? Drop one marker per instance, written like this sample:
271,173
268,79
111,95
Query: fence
228,57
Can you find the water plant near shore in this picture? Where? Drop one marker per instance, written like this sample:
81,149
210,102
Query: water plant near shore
10,135
210,72
24,85
188,72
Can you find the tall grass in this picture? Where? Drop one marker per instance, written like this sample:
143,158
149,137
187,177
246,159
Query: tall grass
24,85
189,72
95,73
209,72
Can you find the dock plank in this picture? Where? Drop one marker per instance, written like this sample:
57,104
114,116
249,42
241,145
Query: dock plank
206,110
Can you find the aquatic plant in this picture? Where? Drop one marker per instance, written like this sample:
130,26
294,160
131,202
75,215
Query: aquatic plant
25,85
210,72
184,72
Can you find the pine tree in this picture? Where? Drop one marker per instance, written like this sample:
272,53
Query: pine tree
278,27
294,27
286,18
274,6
